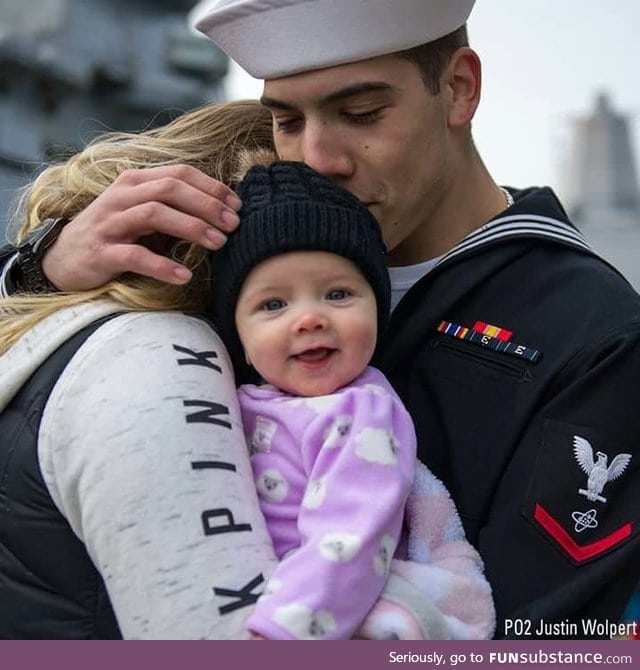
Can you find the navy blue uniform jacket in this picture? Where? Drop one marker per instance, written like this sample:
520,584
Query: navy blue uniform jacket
534,424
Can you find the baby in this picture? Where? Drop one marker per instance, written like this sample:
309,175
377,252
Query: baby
301,292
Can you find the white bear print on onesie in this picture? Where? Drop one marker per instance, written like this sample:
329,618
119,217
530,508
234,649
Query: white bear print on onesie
272,486
377,446
338,433
303,623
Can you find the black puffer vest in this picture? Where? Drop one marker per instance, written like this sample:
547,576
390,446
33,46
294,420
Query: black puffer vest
49,587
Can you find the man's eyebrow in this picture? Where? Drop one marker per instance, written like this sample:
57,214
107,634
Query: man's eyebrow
336,96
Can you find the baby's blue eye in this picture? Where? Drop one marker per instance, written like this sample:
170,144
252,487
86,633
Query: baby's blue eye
272,305
338,294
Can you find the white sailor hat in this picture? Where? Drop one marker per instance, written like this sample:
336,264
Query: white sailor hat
276,38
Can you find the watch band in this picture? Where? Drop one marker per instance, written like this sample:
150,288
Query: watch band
27,272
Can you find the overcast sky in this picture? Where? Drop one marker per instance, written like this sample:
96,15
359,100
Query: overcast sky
544,61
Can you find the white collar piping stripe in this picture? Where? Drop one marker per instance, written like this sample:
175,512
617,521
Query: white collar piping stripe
515,226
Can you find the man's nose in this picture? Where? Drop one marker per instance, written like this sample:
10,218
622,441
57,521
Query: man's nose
325,150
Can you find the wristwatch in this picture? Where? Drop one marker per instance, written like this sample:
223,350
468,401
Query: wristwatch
30,250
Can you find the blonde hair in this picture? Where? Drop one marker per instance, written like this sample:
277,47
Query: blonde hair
214,139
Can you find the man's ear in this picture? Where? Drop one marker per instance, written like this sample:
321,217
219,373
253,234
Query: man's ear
462,79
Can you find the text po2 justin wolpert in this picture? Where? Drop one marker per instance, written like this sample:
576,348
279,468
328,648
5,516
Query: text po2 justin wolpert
587,628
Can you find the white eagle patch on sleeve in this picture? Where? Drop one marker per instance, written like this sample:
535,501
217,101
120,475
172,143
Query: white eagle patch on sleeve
599,473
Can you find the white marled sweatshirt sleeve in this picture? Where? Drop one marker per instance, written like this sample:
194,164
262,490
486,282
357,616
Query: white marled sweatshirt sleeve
142,448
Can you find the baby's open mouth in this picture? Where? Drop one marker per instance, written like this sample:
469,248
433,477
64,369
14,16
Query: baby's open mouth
314,355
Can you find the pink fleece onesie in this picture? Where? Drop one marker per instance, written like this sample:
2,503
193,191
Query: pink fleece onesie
333,473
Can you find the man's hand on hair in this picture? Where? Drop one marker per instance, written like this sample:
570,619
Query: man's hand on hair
101,242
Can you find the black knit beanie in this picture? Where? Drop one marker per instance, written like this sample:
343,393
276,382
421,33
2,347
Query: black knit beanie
287,206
